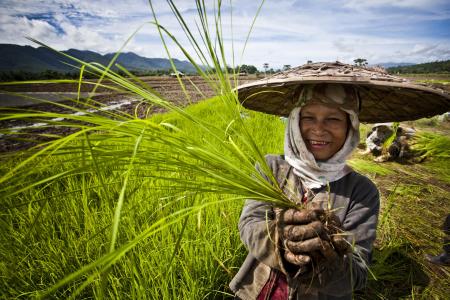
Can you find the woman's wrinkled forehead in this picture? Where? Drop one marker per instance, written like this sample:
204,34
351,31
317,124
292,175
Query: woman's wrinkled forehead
342,96
319,107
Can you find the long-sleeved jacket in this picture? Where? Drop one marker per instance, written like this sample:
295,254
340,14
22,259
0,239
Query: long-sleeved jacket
354,200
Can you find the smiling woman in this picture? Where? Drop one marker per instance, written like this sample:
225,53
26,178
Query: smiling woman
324,129
321,249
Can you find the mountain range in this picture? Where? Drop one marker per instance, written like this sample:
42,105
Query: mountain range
36,60
393,64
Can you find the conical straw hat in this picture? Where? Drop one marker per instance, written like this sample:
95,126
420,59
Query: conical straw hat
384,98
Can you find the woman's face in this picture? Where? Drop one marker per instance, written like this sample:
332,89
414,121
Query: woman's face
324,129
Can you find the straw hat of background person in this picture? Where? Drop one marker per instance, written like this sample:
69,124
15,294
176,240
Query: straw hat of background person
383,97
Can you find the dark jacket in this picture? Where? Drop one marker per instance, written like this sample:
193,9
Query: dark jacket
354,199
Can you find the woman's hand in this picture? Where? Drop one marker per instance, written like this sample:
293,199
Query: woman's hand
310,237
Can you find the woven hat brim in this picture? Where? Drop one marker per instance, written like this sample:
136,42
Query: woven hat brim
381,101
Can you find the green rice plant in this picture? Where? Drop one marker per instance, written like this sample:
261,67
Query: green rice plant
432,145
428,122
388,142
104,160
369,168
432,81
364,129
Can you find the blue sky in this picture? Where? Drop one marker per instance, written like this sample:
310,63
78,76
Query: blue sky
286,32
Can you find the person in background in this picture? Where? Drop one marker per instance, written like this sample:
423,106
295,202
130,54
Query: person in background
444,257
378,134
398,149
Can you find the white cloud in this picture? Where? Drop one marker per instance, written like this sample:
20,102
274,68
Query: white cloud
287,31
421,4
431,52
16,29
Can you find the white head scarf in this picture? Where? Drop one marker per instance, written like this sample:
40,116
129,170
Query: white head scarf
315,174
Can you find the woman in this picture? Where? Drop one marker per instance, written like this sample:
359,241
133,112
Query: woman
321,251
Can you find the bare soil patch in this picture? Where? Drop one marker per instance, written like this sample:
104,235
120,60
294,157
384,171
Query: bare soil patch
169,88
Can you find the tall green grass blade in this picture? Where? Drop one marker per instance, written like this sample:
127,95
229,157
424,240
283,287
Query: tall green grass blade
120,201
80,81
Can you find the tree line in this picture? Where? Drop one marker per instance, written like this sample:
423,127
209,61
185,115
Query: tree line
431,67
21,75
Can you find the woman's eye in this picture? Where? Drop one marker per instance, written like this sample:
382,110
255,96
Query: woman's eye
306,118
334,119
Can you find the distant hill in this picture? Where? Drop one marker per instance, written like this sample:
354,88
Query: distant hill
393,64
431,67
29,59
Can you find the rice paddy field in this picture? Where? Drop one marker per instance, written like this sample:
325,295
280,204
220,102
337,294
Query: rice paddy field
50,232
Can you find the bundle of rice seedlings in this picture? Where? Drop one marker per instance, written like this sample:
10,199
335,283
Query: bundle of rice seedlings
432,145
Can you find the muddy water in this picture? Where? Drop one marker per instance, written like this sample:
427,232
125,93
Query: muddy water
20,134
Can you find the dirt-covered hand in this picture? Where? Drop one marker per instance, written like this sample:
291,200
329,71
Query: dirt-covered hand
298,225
301,260
311,236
